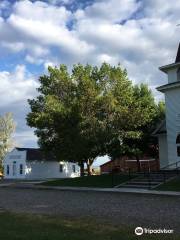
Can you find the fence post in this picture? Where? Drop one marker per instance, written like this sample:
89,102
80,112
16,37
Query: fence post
112,178
149,178
129,172
164,175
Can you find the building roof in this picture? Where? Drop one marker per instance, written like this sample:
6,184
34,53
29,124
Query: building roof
168,86
126,158
161,129
178,55
106,163
33,154
172,65
169,66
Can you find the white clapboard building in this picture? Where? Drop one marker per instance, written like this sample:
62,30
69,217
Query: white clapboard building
31,163
169,130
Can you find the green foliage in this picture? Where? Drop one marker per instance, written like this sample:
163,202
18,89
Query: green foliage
7,127
153,114
74,112
89,112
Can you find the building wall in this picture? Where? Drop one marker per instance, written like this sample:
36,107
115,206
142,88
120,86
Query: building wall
172,75
163,150
36,169
124,164
13,159
172,98
42,170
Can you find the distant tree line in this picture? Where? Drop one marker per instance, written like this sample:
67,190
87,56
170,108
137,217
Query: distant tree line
91,112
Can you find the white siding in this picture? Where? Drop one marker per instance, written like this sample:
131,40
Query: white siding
36,169
14,158
172,98
42,170
172,75
163,150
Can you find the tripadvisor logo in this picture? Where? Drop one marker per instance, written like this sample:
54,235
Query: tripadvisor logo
139,231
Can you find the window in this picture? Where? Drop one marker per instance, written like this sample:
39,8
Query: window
178,151
7,169
74,168
178,145
60,167
178,139
21,169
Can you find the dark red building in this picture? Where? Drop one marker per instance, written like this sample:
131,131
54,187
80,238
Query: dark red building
124,163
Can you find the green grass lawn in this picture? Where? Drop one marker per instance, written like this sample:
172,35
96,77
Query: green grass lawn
36,227
173,185
104,181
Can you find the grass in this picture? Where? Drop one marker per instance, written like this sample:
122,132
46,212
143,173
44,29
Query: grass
173,185
102,181
36,227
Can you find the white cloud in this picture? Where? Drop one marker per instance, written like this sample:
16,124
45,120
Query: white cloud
40,26
13,46
141,35
25,138
111,10
41,12
17,86
55,2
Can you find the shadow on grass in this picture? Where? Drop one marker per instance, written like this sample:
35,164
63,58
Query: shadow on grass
173,185
101,181
38,227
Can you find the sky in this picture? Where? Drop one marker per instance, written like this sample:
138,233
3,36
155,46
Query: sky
141,35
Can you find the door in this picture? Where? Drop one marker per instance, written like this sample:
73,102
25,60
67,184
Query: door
14,169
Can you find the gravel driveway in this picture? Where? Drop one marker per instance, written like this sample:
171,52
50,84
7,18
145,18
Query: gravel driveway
117,208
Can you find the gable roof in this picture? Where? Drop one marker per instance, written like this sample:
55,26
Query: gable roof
168,86
176,64
33,154
178,55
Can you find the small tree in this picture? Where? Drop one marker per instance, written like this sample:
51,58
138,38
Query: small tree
150,114
7,127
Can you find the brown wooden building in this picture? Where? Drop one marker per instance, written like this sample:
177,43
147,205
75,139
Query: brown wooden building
123,164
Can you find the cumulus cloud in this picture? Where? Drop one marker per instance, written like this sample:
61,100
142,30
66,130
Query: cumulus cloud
45,25
110,10
141,35
16,86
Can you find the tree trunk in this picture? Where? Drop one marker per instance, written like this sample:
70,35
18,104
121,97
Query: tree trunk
89,164
81,164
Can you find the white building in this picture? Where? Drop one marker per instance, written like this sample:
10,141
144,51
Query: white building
169,131
30,163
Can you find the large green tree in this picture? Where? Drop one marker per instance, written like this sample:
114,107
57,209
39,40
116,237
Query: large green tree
73,113
7,127
84,114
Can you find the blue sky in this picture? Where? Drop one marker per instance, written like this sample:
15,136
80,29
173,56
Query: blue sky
141,35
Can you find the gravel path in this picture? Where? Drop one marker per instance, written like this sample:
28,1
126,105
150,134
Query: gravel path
117,208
